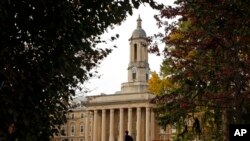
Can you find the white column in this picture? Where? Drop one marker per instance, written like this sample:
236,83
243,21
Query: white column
95,126
87,126
130,54
130,120
147,124
139,52
121,125
152,125
146,53
138,124
111,124
103,124
132,51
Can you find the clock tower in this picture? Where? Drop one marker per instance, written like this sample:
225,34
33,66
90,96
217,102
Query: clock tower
138,68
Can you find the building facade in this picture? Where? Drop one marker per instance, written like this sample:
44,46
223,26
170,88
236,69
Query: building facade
75,128
107,117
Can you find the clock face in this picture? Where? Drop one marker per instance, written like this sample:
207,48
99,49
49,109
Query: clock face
133,70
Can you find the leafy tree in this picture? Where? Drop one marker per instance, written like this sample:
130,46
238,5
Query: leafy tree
209,60
47,49
159,85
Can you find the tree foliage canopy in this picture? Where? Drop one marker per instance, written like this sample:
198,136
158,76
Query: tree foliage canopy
208,56
159,85
47,49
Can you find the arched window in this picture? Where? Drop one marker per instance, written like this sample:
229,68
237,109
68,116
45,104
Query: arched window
81,128
63,131
72,130
135,52
133,75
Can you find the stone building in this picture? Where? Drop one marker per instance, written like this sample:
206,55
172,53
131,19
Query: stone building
107,117
129,109
75,128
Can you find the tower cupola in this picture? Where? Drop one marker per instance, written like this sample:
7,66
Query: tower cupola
138,32
138,68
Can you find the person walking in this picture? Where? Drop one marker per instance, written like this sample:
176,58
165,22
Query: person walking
127,137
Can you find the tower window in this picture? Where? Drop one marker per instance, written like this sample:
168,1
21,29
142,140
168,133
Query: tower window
135,52
133,72
133,75
146,77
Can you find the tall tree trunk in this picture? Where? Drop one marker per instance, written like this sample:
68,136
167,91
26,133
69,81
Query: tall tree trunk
225,129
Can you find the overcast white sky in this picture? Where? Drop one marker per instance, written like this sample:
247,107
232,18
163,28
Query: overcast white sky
113,69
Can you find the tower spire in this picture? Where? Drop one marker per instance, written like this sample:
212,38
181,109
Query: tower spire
139,22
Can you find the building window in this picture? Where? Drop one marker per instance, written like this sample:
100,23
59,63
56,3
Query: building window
81,139
146,77
162,130
82,115
71,139
72,116
81,129
72,130
133,75
135,52
133,72
63,131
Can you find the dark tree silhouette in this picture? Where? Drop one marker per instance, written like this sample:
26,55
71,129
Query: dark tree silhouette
48,47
